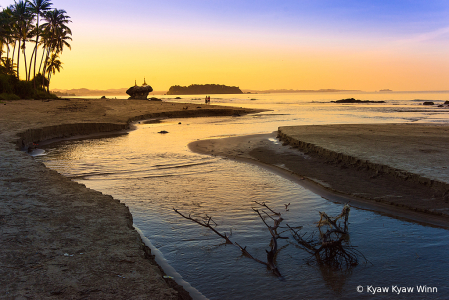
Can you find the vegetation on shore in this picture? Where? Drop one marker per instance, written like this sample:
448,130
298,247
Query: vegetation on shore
198,89
31,24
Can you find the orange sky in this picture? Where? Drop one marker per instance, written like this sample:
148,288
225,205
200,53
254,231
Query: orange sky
259,48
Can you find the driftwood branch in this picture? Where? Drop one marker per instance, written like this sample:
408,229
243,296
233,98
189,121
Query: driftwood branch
332,222
205,224
270,254
264,205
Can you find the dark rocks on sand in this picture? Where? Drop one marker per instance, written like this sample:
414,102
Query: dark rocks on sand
163,132
139,92
446,102
352,100
428,103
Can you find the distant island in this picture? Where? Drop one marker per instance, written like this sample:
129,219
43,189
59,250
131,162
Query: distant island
198,89
61,94
352,100
385,90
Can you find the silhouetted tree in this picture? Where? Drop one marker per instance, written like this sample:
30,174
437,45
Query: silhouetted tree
38,8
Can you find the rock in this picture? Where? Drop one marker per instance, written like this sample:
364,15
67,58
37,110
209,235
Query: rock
163,132
428,103
103,97
446,102
154,99
139,92
352,100
178,98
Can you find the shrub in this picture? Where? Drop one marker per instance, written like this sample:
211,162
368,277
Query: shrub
41,95
24,89
6,96
5,85
12,88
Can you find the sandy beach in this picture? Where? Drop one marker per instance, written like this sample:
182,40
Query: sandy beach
398,169
59,239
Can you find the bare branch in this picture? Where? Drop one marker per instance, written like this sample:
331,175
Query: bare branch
204,224
264,205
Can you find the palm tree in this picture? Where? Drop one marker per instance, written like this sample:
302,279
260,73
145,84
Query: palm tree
27,32
6,36
38,8
57,33
8,66
61,40
4,22
21,17
53,64
45,43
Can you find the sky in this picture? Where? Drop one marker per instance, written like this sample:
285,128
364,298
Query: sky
265,44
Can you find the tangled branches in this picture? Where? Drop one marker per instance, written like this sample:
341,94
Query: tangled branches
330,249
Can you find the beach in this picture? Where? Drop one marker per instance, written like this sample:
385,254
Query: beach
60,239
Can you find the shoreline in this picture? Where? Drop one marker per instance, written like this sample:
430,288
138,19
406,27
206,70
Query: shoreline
59,238
306,170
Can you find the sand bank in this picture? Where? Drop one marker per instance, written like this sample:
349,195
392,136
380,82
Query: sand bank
396,169
58,238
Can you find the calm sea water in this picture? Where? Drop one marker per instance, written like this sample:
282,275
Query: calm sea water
152,173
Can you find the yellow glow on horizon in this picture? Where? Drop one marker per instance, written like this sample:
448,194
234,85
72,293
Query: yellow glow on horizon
96,64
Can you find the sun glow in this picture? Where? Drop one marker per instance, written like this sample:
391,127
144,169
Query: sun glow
289,46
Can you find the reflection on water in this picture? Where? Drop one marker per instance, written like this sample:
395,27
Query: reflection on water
152,173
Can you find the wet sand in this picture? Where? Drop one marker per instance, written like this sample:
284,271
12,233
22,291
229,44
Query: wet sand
59,239
397,169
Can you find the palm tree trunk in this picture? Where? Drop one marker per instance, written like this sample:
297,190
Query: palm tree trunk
18,58
31,63
35,48
25,63
45,65
14,50
42,59
49,77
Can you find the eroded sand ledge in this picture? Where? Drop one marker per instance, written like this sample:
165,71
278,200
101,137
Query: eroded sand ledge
59,239
412,152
